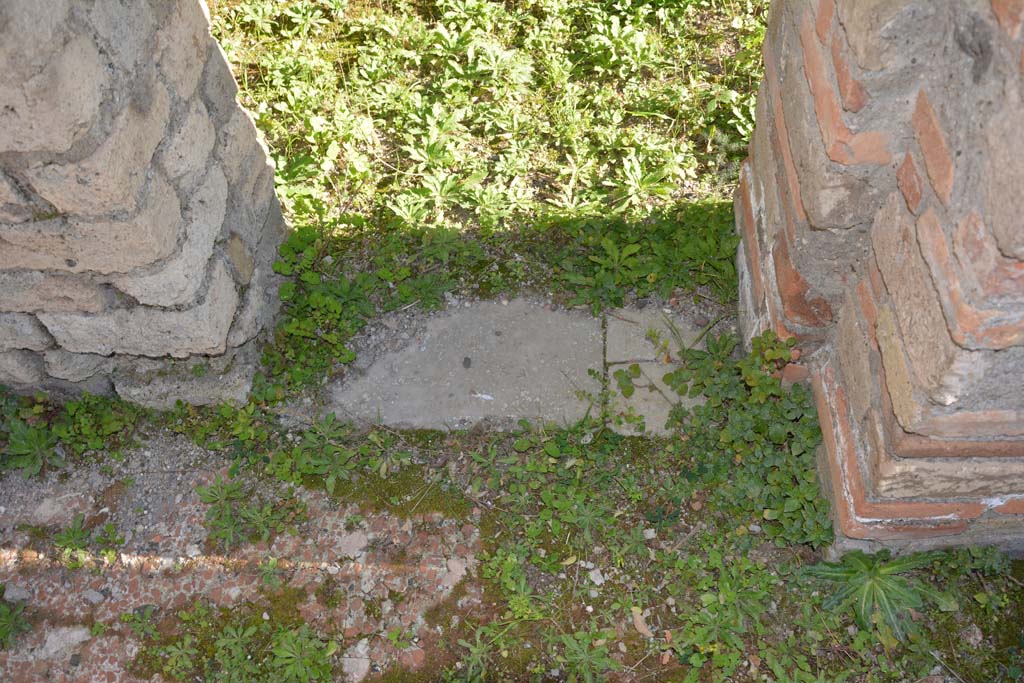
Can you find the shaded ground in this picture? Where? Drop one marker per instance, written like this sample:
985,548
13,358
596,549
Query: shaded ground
503,361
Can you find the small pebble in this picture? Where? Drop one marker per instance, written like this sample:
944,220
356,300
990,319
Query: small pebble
650,534
596,576
92,597
266,617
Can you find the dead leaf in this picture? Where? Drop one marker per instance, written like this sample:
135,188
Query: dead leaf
666,657
640,624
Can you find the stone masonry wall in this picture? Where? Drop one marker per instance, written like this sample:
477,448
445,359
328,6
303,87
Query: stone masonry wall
882,215
138,221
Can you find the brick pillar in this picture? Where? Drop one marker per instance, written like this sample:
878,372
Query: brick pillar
882,216
138,222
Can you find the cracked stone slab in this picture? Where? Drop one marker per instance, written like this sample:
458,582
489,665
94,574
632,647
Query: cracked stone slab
629,340
627,334
492,360
652,399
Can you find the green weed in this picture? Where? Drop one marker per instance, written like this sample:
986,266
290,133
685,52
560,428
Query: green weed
93,423
35,434
30,448
238,645
12,621
880,598
74,537
236,514
141,621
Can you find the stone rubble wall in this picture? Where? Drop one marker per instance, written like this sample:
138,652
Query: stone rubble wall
138,221
882,216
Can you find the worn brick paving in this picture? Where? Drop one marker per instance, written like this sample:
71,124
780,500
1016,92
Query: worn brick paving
402,567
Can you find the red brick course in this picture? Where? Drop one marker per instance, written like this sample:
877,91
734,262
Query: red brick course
937,160
970,326
984,433
1010,13
1012,507
994,276
859,517
841,144
745,216
909,182
794,291
780,137
823,23
851,91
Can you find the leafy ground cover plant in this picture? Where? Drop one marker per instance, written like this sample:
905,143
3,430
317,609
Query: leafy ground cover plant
236,514
30,448
36,434
755,436
12,621
239,645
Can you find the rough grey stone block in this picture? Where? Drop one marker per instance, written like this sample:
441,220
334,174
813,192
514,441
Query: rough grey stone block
143,331
109,179
176,281
23,331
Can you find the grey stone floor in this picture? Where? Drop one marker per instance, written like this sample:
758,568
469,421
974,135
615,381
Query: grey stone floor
506,361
